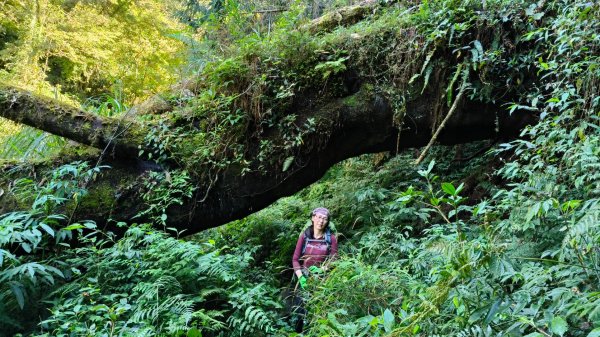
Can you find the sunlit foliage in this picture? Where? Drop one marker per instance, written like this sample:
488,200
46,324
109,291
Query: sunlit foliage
84,48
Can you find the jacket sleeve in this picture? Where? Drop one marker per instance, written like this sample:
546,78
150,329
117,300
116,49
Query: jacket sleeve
334,247
298,253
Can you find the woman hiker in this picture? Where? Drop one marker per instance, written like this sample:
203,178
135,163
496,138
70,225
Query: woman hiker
316,246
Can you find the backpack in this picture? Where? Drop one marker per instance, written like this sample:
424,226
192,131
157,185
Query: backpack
327,240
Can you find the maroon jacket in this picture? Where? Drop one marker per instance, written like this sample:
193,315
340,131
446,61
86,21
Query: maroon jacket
316,250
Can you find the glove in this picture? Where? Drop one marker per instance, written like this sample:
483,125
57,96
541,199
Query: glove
315,270
302,281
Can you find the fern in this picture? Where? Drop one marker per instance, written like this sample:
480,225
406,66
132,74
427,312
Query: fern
209,319
250,316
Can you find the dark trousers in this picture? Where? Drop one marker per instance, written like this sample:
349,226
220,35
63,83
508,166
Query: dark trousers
294,300
298,311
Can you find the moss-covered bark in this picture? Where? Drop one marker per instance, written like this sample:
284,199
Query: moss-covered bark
120,137
343,17
347,127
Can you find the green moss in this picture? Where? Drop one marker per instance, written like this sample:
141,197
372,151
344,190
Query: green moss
361,97
100,198
368,88
86,127
136,135
77,152
351,101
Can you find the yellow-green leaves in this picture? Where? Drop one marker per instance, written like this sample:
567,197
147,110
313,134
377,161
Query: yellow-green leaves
85,47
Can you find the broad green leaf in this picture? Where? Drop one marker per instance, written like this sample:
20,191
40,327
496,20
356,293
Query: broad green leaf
18,292
89,224
570,205
493,311
55,271
594,333
73,227
287,163
31,271
388,320
533,211
431,165
480,209
559,326
193,332
478,46
449,188
455,302
416,329
47,229
451,213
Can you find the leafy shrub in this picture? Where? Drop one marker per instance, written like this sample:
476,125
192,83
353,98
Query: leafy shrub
32,241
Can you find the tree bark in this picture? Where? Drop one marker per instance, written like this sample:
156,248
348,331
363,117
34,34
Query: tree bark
358,124
120,136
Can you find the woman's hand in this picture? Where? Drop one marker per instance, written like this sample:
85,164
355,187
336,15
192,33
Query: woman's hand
302,281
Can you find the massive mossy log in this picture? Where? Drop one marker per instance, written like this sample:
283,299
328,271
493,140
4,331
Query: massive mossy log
361,123
351,112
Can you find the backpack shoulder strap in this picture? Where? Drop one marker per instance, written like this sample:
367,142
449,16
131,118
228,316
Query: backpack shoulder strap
328,240
304,241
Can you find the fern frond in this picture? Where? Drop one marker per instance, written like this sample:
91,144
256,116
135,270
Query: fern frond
209,319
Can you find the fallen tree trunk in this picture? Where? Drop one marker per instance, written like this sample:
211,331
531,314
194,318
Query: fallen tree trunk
350,112
361,123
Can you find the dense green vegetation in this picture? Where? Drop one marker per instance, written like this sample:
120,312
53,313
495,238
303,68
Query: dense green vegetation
504,243
85,52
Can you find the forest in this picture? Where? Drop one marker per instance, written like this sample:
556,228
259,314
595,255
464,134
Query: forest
160,159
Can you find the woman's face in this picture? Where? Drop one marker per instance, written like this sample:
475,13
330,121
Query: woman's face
319,222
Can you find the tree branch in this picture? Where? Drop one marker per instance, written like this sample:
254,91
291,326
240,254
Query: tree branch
439,129
120,136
